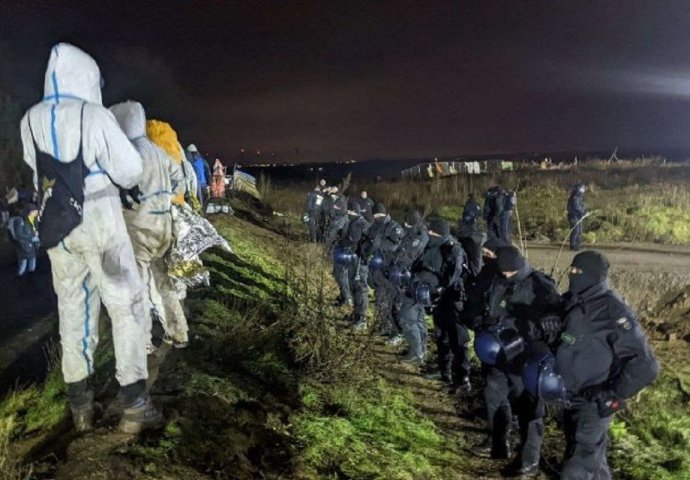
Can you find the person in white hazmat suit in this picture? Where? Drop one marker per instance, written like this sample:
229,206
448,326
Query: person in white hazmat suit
77,152
150,222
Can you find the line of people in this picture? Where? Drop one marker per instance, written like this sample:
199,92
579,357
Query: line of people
498,208
583,350
108,182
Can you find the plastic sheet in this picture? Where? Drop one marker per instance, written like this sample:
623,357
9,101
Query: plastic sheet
193,235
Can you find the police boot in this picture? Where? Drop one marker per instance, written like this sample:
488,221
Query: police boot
483,449
516,469
412,358
80,397
360,323
463,386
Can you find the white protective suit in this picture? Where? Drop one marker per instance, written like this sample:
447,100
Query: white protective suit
150,223
95,262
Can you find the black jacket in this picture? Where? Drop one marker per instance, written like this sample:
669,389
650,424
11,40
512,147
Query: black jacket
470,213
604,343
354,234
522,301
576,206
478,291
314,202
367,205
441,265
384,236
412,245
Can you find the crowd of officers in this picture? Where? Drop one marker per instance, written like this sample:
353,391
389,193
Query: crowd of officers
583,350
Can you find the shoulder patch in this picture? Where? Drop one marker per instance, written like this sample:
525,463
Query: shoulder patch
624,323
567,338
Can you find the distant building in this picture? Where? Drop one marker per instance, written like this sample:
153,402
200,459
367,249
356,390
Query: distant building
438,169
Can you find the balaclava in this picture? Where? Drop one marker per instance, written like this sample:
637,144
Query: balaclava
510,259
595,269
413,218
440,227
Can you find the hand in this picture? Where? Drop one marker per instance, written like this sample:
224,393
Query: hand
135,193
124,199
593,392
551,325
607,402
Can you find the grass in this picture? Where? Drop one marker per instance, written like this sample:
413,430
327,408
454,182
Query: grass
632,202
274,384
367,433
652,439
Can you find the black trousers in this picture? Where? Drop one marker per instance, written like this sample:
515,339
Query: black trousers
452,339
504,395
413,326
359,286
384,299
575,233
586,436
341,273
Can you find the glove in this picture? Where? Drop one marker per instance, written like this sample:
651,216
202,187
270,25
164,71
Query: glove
607,402
133,193
551,326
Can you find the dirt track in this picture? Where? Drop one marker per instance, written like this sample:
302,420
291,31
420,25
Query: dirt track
640,258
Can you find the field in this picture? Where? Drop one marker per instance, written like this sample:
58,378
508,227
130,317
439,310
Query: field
275,384
629,202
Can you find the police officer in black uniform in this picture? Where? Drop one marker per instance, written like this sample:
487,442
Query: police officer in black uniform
508,200
478,288
518,300
312,213
436,281
446,258
470,214
336,212
379,245
576,211
493,206
367,205
357,271
337,229
604,359
412,245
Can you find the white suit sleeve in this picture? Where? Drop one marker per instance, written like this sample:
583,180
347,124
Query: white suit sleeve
28,147
114,152
176,176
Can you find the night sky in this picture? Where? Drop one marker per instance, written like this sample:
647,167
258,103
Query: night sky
340,79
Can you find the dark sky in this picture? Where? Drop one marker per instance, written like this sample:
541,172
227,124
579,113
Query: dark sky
396,79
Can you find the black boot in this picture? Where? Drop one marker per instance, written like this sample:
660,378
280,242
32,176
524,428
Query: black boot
516,469
80,397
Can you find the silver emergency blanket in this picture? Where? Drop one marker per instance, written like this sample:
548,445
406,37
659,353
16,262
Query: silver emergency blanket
193,235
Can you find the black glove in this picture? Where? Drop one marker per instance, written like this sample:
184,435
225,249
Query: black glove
551,327
134,193
607,402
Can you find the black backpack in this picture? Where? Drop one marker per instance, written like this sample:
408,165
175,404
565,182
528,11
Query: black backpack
61,192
